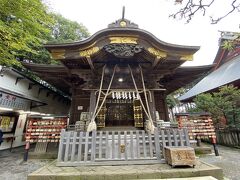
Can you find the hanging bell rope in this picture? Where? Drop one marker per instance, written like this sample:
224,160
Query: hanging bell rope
92,125
150,125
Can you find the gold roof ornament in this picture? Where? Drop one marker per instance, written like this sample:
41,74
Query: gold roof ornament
188,57
89,52
123,24
123,40
158,53
58,53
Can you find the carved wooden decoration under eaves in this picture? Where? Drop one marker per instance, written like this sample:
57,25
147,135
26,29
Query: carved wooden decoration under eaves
89,52
123,50
158,53
123,40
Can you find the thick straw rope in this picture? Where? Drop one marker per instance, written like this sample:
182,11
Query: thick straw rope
138,92
109,86
92,125
150,125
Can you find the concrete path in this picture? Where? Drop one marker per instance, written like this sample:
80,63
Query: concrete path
151,171
229,161
12,167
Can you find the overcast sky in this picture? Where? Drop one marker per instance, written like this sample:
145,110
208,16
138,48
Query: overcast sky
153,16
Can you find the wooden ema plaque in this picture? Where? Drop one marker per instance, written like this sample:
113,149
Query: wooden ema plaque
45,130
199,126
180,156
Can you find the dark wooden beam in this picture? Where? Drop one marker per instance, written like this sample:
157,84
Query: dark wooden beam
90,62
40,90
30,85
48,93
156,62
18,79
54,97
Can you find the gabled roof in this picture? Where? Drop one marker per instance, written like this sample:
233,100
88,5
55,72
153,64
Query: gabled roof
121,40
226,74
122,43
226,69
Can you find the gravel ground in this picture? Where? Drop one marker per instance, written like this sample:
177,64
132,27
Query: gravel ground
229,161
12,166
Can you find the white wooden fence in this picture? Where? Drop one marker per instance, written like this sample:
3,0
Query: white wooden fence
117,147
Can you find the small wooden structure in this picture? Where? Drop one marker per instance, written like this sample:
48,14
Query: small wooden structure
180,156
118,147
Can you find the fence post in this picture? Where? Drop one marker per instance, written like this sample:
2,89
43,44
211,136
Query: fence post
61,145
157,144
27,147
215,146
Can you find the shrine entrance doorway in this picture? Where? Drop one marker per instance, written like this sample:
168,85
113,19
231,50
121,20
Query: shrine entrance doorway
120,113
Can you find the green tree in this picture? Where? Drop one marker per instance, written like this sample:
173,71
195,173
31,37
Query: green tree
24,27
65,30
224,103
172,101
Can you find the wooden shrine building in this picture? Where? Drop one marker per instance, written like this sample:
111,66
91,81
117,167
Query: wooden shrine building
121,62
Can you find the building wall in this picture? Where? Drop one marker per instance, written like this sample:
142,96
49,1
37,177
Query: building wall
161,106
56,104
80,103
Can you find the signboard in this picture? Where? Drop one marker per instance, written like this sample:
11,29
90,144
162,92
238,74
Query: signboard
13,102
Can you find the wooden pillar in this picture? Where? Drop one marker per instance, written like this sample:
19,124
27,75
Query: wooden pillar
72,108
152,106
166,108
92,102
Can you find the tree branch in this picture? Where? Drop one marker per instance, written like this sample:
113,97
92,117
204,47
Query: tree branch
234,8
193,7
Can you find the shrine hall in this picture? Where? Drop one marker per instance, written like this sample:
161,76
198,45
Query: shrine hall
120,76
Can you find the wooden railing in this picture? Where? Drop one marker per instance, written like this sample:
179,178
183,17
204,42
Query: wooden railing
117,147
228,137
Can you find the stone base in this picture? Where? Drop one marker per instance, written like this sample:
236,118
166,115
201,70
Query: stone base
155,171
203,150
51,155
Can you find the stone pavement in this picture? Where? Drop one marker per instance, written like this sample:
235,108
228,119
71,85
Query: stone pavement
12,167
153,171
229,161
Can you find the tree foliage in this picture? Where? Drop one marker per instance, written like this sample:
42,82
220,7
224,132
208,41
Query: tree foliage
26,25
189,8
65,30
222,104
